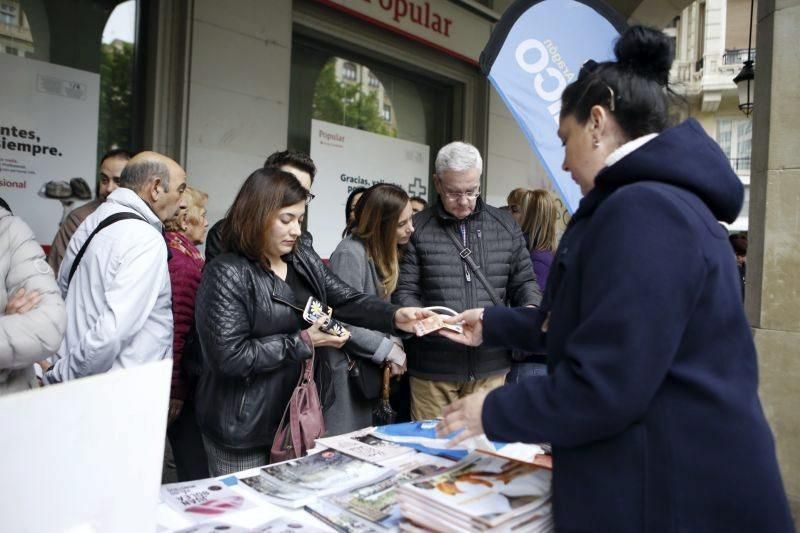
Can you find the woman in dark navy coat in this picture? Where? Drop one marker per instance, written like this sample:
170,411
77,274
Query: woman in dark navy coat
651,402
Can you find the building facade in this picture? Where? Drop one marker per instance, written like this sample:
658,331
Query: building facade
711,45
219,85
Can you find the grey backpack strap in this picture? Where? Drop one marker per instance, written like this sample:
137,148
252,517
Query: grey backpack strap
116,217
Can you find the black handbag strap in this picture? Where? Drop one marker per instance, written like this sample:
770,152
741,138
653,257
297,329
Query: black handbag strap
466,255
116,217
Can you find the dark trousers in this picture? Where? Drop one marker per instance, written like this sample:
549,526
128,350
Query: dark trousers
187,445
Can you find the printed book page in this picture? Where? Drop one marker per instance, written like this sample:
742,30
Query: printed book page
483,487
203,499
297,482
366,446
377,502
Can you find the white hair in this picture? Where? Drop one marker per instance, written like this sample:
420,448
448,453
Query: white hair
458,156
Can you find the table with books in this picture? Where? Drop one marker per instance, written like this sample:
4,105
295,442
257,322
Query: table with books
389,478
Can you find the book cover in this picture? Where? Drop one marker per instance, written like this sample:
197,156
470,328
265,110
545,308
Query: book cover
295,483
366,446
377,502
203,499
484,488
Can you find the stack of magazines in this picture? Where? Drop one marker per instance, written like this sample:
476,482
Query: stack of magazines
373,507
300,481
482,492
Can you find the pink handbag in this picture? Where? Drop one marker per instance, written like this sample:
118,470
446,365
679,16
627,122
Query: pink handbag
302,420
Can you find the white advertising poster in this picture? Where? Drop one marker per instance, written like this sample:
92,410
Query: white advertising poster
48,132
347,158
86,455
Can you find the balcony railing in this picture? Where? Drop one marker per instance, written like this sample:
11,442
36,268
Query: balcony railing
735,57
740,164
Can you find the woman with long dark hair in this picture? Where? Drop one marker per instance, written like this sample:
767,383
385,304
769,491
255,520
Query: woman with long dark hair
651,402
368,260
249,320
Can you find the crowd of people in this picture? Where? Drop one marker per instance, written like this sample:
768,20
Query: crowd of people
623,343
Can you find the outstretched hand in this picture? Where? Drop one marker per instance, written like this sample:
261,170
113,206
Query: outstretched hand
463,416
472,323
406,318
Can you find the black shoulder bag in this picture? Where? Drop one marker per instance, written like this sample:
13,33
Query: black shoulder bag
116,217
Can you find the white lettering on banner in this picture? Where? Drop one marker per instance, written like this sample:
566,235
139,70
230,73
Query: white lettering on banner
547,54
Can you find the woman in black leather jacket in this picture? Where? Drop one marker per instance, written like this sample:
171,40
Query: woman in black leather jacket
250,325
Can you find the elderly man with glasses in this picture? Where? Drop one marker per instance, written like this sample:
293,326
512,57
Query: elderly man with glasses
463,254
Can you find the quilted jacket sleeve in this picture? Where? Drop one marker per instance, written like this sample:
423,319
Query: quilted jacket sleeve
35,335
225,304
185,278
350,305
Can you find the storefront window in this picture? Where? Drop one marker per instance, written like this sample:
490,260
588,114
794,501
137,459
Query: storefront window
67,33
342,96
15,32
116,79
366,95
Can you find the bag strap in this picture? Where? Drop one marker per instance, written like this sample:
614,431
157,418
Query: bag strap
306,375
116,217
466,255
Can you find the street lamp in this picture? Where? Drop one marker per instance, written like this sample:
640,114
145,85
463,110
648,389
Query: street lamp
745,80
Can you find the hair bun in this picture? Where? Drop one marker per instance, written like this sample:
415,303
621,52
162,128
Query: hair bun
646,51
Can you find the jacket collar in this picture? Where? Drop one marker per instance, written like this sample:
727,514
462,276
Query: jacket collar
302,263
445,216
130,200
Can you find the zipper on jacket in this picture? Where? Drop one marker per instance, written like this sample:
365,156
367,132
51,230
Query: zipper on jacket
286,302
463,230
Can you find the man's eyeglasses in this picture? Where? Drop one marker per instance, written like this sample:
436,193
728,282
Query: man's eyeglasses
469,195
309,197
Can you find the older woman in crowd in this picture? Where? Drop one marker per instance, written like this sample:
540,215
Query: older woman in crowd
185,232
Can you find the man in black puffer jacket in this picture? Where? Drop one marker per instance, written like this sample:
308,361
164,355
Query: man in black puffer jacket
433,273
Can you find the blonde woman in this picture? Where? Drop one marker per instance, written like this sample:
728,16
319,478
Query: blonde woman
516,203
539,227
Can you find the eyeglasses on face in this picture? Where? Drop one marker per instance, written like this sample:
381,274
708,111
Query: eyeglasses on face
469,195
309,197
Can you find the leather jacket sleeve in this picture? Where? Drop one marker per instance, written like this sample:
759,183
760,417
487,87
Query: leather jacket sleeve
225,306
350,305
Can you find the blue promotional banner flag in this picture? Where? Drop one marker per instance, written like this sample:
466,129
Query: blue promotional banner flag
535,51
